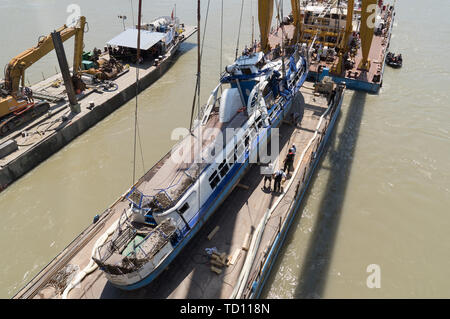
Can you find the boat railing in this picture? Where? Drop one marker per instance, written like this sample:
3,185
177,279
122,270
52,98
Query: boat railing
145,202
124,234
158,232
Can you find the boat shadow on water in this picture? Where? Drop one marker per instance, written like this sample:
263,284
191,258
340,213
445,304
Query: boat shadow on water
191,268
314,272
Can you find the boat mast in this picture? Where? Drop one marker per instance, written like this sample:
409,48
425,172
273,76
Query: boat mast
139,32
199,60
138,57
253,25
197,85
280,20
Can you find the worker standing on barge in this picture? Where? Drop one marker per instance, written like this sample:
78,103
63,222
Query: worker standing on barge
289,160
278,177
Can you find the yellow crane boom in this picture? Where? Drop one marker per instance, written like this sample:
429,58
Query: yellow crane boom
15,71
265,13
368,14
14,109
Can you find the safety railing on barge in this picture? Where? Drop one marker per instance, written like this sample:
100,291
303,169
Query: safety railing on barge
315,147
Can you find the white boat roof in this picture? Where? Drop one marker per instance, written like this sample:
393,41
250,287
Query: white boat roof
250,59
128,38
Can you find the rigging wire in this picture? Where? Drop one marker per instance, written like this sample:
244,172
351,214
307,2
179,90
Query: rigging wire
132,11
221,40
140,147
239,31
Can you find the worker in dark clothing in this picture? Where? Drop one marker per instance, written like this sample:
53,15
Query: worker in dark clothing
29,95
278,177
289,160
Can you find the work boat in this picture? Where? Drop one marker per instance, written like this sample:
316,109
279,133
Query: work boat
184,189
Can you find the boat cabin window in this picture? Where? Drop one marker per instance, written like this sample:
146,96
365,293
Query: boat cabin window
258,122
223,168
214,174
238,150
214,180
246,71
184,208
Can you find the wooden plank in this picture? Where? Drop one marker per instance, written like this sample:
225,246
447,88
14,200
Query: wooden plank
211,234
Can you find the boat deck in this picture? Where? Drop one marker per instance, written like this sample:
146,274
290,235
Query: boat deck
189,275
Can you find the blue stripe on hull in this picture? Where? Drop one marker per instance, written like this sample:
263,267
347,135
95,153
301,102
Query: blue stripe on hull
216,198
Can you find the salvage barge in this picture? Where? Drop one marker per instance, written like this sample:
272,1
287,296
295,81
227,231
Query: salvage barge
241,216
35,141
352,42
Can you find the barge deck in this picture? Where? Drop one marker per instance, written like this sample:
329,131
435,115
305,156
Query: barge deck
47,134
354,78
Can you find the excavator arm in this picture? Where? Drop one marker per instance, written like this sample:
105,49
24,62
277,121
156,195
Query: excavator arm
15,71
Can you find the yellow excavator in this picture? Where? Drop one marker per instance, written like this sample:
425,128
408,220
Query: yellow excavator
16,102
